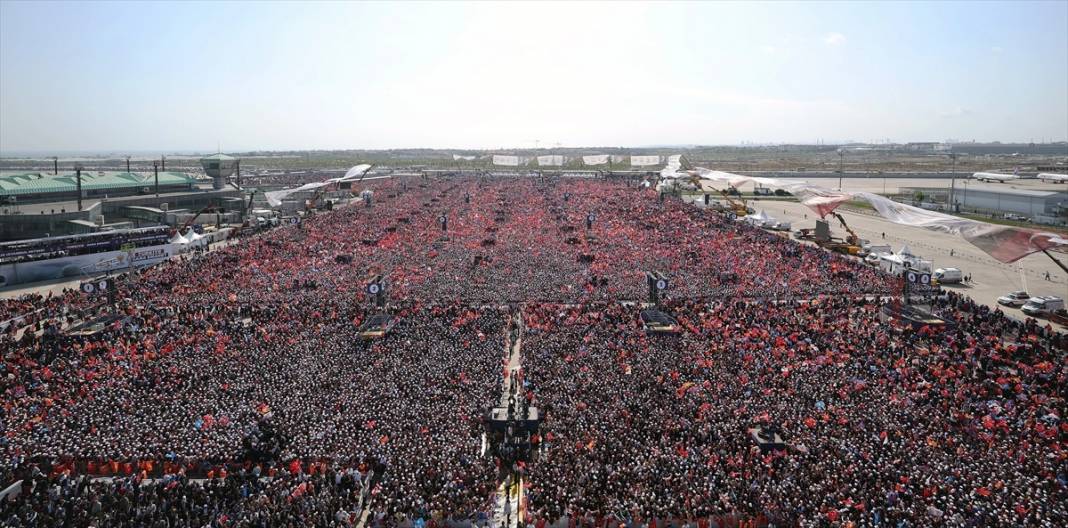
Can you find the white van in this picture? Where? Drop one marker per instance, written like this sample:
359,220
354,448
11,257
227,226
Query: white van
948,275
1043,305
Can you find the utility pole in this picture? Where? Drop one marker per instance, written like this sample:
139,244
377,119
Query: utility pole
155,170
953,183
841,156
78,175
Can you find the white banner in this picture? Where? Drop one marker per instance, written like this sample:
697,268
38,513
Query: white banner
599,159
618,158
457,157
550,161
507,161
644,161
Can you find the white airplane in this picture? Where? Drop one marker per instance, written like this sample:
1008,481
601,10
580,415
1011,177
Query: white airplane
996,176
1052,177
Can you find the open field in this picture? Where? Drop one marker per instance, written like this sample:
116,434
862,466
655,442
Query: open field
990,278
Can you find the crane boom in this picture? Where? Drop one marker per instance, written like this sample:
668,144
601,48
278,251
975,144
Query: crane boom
740,209
853,238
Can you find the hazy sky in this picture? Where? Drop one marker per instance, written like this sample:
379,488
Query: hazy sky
186,76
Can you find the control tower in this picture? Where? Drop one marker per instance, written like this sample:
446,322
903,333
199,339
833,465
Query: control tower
219,167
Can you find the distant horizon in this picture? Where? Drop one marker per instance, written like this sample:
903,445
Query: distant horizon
96,77
194,152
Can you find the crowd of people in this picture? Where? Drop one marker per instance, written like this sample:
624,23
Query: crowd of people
963,427
218,386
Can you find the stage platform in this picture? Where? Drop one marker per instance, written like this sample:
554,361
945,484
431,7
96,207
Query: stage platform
377,326
657,322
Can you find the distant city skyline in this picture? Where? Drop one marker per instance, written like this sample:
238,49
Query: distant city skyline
88,77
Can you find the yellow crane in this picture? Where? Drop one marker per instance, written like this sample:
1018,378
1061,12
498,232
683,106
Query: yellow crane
849,246
852,238
739,208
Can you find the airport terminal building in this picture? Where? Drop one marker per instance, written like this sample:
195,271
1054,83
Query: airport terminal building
1045,207
38,204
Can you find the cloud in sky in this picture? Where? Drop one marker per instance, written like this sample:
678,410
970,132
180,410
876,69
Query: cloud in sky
834,39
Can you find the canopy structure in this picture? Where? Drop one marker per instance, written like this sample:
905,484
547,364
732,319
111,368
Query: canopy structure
274,198
1004,243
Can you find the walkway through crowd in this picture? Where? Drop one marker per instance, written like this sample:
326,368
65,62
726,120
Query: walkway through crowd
507,507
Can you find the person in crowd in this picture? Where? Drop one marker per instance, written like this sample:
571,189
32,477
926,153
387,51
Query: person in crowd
234,387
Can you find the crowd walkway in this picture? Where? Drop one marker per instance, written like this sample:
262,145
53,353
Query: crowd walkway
510,491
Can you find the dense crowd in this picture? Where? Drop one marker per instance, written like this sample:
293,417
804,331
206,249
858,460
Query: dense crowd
884,427
218,386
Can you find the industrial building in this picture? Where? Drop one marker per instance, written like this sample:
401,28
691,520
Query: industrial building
34,205
36,187
1045,207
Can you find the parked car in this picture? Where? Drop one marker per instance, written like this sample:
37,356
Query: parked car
1043,305
948,275
1059,316
1015,299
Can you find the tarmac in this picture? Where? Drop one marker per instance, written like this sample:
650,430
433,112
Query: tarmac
990,278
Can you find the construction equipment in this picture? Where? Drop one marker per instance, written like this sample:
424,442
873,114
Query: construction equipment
738,208
207,209
852,238
849,246
310,203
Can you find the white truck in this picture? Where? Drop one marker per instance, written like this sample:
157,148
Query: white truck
1043,305
948,275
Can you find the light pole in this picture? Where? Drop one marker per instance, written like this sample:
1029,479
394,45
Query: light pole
127,164
953,182
55,165
841,158
155,170
78,175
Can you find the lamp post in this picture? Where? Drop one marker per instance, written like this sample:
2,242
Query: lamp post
78,176
155,170
965,182
841,158
127,164
55,165
163,162
953,182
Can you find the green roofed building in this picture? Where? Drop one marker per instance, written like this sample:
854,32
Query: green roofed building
29,187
